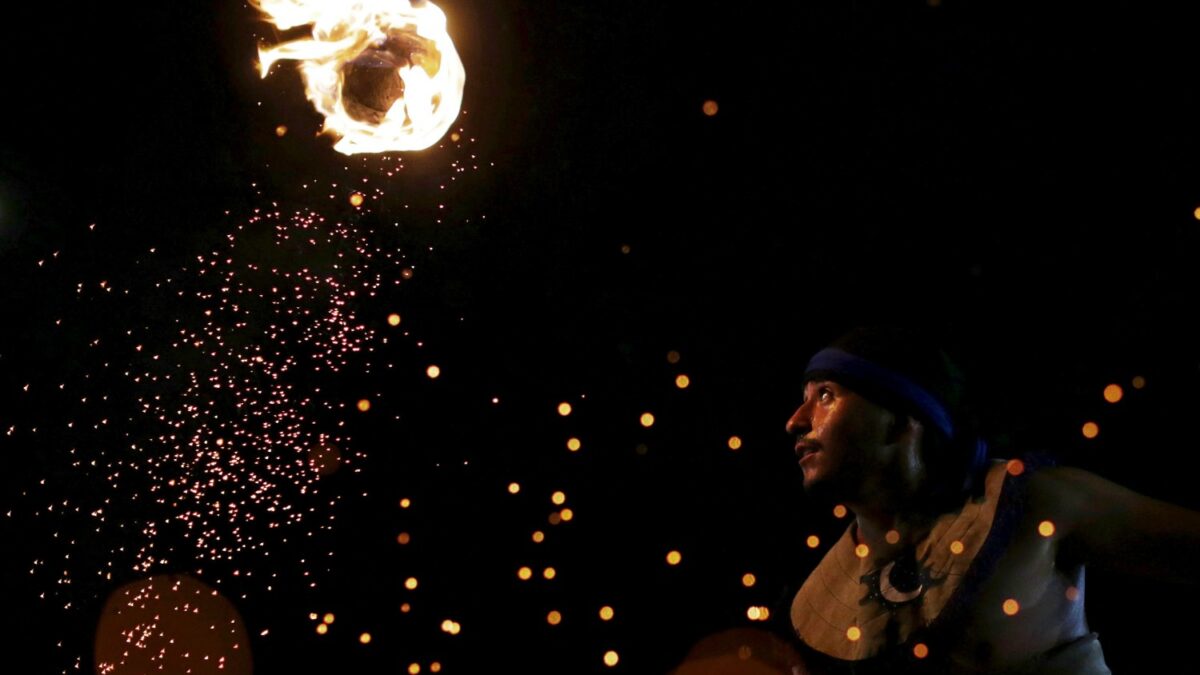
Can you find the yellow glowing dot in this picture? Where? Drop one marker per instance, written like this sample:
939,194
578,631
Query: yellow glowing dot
447,626
839,511
956,547
406,273
1072,593
573,444
647,420
364,405
414,668
433,372
558,497
748,580
611,658
280,130
549,573
524,573
538,537
322,628
892,537
672,357
709,107
405,503
365,638
1139,382
813,541
862,551
1091,430
853,633
1113,393
410,583
455,628
673,558
566,514
683,381
1196,213
356,199
1015,467
435,667
764,613
405,608
606,613
313,616
514,488
1011,607
328,618
564,408
454,137
393,319
735,443
752,614
1045,528
554,618
403,538
555,518
920,650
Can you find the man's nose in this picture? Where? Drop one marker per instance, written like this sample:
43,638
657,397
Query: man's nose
798,423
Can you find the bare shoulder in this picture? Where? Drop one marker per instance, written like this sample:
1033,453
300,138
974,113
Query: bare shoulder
1116,526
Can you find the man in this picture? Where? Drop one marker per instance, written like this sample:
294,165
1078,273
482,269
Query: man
953,562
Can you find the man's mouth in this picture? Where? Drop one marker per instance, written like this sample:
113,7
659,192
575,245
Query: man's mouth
806,448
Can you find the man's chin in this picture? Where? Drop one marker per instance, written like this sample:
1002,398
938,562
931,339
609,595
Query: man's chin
820,490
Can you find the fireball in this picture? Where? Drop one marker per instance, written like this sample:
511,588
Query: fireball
384,73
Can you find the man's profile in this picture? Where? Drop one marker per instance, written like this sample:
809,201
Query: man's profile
952,562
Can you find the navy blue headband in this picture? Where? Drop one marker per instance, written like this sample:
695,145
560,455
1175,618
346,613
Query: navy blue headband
837,362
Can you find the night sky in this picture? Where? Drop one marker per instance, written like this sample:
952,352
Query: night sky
1020,180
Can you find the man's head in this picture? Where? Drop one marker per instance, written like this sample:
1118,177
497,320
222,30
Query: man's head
884,415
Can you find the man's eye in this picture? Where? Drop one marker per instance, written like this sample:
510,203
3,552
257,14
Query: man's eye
825,395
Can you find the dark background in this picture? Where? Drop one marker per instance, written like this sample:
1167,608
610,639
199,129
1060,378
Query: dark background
1020,179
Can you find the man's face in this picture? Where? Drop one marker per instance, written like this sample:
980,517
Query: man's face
841,441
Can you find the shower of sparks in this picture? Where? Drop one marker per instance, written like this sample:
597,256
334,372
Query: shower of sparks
203,436
243,436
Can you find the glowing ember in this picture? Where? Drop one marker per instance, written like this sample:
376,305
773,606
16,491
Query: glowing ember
384,73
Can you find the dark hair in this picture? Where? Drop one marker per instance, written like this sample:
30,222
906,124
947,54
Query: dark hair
953,472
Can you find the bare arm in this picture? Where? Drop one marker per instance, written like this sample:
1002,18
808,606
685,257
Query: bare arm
1115,527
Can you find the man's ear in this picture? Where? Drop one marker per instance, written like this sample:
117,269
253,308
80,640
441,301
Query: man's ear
905,429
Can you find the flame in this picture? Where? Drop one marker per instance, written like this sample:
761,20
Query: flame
384,73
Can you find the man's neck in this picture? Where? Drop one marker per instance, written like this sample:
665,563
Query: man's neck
884,531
